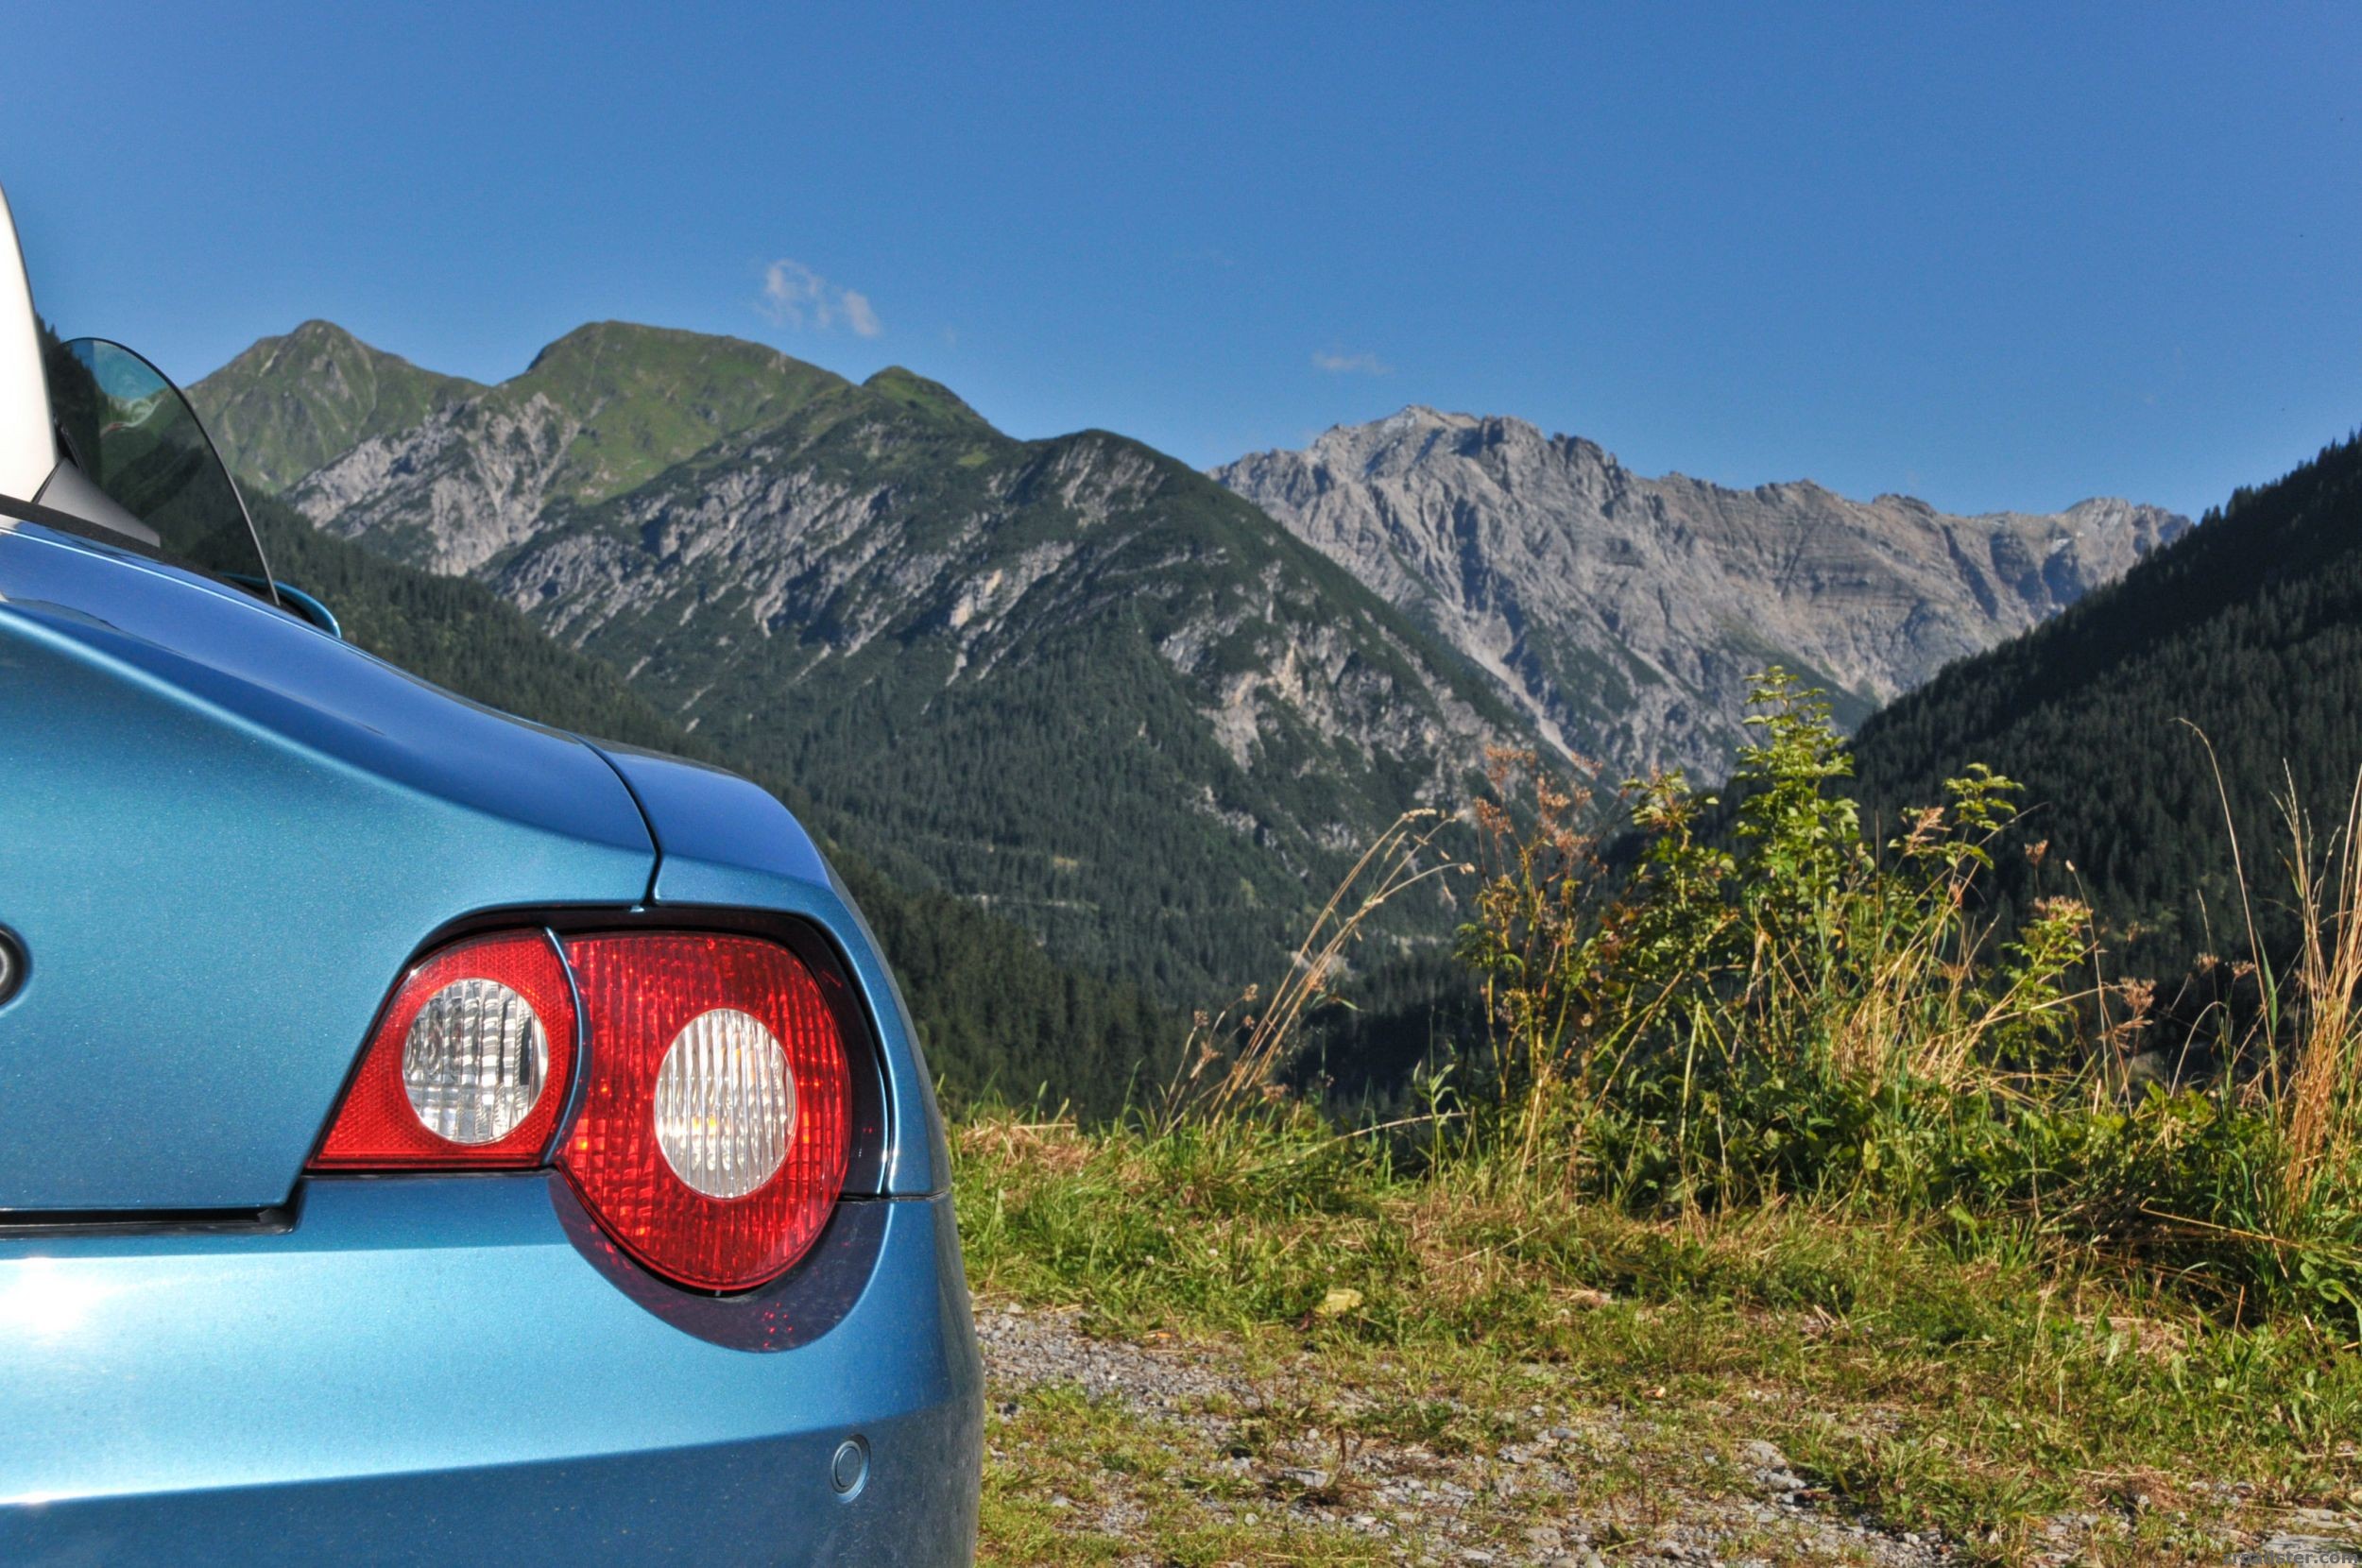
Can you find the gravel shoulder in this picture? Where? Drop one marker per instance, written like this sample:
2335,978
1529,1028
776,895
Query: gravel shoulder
1106,1450
1275,1443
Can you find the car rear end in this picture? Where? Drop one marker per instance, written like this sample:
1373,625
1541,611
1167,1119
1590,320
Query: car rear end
425,1137
434,1370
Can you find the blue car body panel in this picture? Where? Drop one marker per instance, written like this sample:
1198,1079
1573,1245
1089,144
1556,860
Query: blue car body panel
223,835
426,1371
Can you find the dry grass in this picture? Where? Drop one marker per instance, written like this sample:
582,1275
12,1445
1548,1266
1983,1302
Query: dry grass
1056,1146
1230,1067
2321,1111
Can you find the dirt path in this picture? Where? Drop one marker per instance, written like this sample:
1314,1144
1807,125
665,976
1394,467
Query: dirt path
1279,1446
1165,1453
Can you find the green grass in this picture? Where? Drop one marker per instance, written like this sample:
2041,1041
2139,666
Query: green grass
1979,1391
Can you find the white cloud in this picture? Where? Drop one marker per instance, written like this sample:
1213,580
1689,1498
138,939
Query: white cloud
1338,362
795,295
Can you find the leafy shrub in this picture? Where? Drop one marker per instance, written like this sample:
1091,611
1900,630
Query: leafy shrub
1769,1006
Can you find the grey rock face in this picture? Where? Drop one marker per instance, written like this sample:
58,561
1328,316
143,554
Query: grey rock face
450,493
1626,614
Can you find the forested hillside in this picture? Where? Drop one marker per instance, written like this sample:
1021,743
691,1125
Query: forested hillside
2249,630
1072,680
998,1016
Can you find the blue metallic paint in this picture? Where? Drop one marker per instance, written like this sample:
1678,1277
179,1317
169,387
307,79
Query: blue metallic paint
424,1370
222,834
293,600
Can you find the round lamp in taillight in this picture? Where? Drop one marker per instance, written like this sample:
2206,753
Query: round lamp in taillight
468,1066
713,1136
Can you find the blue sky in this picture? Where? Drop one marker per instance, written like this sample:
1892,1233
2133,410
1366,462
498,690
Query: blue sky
1992,255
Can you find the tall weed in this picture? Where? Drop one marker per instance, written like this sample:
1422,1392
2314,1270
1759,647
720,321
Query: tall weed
1773,1003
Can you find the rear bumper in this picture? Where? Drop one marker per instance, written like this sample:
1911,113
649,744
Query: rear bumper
432,1371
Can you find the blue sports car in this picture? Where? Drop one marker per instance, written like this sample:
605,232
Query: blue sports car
425,1137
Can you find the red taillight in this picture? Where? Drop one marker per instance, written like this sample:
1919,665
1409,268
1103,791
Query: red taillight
715,1117
715,1123
469,1066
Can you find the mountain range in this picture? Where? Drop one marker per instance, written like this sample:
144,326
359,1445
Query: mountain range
1075,682
1626,615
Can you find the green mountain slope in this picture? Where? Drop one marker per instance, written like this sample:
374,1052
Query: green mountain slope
1070,680
917,393
288,404
2250,628
997,1015
604,408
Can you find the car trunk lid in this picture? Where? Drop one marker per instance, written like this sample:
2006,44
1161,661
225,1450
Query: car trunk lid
223,837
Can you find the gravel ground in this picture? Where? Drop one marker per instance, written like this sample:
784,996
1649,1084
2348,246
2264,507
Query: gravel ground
1566,1482
1533,1497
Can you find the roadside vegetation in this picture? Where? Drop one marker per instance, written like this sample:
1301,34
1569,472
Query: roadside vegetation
1777,1137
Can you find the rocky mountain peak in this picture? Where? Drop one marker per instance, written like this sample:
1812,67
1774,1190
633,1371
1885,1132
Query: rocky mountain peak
1094,670
1626,614
1071,678
2105,516
1417,434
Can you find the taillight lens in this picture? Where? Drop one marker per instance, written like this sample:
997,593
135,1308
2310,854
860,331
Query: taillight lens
469,1066
715,1117
711,1140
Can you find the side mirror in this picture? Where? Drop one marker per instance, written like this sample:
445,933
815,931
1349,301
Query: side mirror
291,599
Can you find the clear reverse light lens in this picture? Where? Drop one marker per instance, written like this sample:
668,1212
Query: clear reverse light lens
725,1104
474,1062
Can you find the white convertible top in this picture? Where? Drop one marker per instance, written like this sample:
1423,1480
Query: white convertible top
29,450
